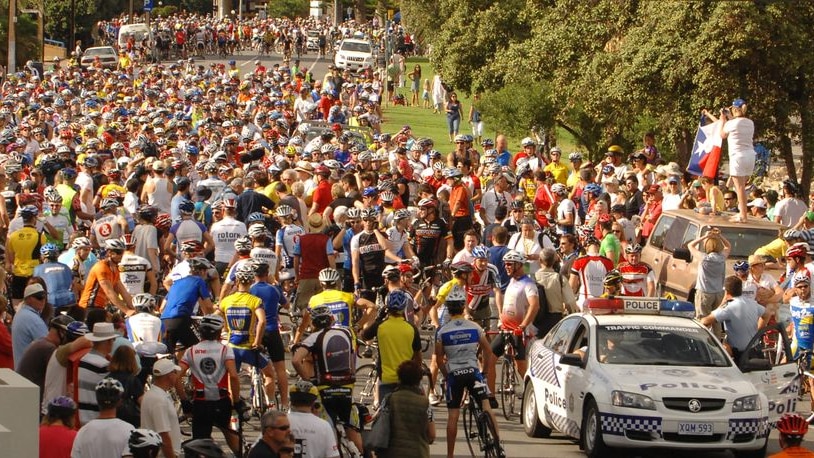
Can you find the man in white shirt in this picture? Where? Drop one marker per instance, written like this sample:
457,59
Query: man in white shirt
224,233
790,209
314,436
158,410
495,197
105,436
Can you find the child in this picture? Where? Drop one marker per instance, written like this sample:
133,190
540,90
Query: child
425,95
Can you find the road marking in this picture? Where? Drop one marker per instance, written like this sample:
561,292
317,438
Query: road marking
314,63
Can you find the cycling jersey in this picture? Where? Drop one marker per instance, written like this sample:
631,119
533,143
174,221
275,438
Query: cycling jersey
481,285
398,342
186,230
397,239
144,327
93,295
340,303
62,224
427,237
241,320
207,367
441,296
58,281
272,298
224,233
635,278
460,339
516,303
183,296
107,228
591,271
213,184
231,276
266,255
26,243
802,317
371,258
133,273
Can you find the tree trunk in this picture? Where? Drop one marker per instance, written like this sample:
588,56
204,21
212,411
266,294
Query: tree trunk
683,145
807,137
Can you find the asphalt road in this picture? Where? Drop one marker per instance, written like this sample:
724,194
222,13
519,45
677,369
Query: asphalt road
245,61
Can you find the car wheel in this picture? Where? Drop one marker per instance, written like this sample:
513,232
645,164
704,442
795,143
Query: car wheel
591,437
759,453
531,422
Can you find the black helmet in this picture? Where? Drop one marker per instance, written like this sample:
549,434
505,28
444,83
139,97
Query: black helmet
202,448
321,316
108,392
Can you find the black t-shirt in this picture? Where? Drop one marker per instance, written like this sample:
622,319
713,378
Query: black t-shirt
250,201
346,201
262,450
427,237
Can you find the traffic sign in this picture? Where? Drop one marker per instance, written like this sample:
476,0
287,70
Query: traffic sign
148,5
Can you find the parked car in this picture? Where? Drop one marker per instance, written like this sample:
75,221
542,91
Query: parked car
675,268
106,54
354,54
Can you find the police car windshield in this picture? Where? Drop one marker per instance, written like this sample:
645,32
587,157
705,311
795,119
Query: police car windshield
654,345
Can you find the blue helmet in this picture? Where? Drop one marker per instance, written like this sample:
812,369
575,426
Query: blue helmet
480,251
397,300
186,206
741,266
255,217
593,188
49,250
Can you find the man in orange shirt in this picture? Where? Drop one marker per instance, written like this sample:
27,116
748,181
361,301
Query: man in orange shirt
460,206
103,285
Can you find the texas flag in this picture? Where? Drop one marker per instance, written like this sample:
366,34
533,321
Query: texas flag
706,153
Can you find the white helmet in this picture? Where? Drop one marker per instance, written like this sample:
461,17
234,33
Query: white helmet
513,256
328,275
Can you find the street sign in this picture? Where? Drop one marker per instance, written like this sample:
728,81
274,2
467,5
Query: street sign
148,5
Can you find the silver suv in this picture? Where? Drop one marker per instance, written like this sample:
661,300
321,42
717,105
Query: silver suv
354,54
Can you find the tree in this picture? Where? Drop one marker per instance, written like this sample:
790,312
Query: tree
287,8
27,45
86,14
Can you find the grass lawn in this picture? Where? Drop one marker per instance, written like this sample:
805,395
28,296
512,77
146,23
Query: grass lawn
425,123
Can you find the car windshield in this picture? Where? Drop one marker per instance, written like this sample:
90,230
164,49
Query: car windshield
355,46
99,52
657,345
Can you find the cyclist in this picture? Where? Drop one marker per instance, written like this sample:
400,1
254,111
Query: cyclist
612,284
180,303
22,248
483,280
145,235
517,309
225,233
109,225
188,229
243,250
58,278
328,357
104,435
103,285
638,278
192,249
272,298
136,272
215,383
58,216
368,249
144,326
144,443
802,321
430,234
792,429
343,306
456,345
287,237
260,250
245,323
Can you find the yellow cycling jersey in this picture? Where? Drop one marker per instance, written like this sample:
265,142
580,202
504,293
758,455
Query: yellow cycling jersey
444,290
241,320
340,303
26,243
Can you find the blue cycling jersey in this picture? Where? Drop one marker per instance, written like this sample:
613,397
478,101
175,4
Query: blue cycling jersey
802,316
58,280
272,299
183,296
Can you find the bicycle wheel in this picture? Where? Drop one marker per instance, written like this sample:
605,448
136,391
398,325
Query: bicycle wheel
364,389
508,389
258,393
471,430
487,436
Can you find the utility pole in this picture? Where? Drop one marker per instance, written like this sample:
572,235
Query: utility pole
12,36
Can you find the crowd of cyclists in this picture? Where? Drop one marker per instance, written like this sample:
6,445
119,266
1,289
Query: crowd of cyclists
170,208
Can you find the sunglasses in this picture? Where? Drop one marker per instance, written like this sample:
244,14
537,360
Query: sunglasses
280,428
39,296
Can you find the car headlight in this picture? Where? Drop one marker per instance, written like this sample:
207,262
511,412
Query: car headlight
632,400
746,404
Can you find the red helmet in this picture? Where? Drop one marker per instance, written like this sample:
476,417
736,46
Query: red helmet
792,425
798,250
163,221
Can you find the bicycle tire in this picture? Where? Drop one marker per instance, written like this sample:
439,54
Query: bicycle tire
258,394
508,389
471,429
364,389
487,436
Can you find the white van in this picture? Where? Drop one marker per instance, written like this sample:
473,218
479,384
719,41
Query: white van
138,31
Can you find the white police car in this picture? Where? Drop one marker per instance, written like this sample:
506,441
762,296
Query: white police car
636,373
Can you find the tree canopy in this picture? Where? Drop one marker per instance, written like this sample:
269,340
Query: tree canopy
607,70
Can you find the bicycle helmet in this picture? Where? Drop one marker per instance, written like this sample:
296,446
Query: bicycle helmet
328,275
243,244
792,234
257,230
480,252
200,263
202,448
369,213
186,206
61,407
77,329
616,149
559,189
191,246
147,212
81,242
304,392
144,439
255,217
802,277
487,142
593,188
49,251
52,195
456,299
426,203
321,316
108,392
793,425
29,211
211,324
229,203
460,267
163,221
61,322
245,273
740,266
114,245
143,302
575,156
401,214
613,277
388,196
798,250
513,256
284,211
128,240
635,248
453,172
397,300
391,272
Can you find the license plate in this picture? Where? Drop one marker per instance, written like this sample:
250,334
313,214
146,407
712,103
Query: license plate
695,429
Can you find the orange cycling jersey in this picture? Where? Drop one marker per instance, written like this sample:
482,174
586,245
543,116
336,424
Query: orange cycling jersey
794,452
93,294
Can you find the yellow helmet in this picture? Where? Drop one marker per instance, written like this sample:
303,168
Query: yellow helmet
616,149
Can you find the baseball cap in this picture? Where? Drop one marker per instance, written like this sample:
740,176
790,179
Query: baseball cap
164,367
759,203
33,289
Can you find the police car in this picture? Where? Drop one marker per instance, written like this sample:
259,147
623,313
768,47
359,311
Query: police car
640,372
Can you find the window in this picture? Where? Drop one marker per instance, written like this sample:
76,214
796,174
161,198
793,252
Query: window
558,340
355,46
580,339
689,235
657,236
675,234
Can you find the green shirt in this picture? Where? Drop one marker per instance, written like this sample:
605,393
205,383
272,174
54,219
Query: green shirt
611,248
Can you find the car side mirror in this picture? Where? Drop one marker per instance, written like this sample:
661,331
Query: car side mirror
682,254
571,359
756,364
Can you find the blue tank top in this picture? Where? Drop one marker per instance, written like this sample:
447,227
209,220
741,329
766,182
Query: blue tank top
272,299
802,315
58,280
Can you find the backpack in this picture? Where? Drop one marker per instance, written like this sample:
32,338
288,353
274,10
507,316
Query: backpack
335,357
544,321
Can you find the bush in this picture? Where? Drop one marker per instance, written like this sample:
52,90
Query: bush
517,107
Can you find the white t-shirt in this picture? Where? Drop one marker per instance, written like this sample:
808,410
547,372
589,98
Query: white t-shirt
314,436
85,183
266,255
143,327
751,284
158,414
565,208
225,232
491,200
396,240
740,136
790,210
102,439
515,301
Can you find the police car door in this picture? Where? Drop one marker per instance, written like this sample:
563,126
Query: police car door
548,375
767,363
576,377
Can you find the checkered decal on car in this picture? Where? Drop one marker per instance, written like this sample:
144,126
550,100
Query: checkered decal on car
561,423
542,365
757,426
617,424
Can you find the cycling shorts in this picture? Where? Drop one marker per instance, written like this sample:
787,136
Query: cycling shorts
179,330
516,341
274,345
251,357
338,404
459,380
207,414
18,285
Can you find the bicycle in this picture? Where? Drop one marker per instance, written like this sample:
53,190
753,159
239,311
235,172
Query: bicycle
367,377
259,401
478,424
510,399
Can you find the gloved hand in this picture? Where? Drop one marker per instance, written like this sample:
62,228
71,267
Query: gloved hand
517,332
242,410
186,406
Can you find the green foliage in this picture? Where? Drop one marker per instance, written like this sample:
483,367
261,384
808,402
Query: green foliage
86,14
287,8
27,45
196,6
518,107
164,11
